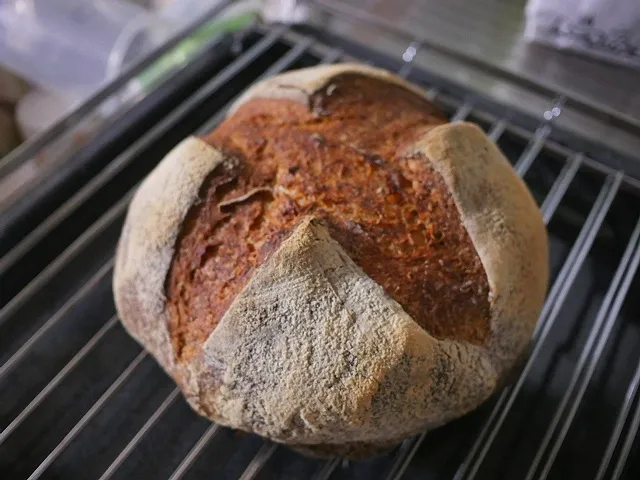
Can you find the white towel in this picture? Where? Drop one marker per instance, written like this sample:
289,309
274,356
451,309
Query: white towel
604,29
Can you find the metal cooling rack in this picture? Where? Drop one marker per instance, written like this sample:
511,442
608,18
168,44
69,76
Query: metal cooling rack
80,399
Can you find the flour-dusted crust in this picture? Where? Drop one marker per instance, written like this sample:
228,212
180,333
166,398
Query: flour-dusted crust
147,243
506,228
313,352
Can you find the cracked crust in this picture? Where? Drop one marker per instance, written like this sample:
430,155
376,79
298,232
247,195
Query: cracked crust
313,353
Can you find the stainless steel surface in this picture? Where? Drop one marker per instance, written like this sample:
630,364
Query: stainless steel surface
58,331
480,45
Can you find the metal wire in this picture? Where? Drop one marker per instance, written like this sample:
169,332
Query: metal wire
327,469
590,355
497,129
560,187
259,460
628,441
404,456
140,434
77,297
555,300
533,149
193,454
84,421
630,396
463,112
60,376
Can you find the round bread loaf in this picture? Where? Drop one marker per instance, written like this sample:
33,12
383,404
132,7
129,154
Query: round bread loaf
335,267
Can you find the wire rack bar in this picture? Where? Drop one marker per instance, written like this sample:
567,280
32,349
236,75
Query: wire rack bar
630,397
560,187
463,112
589,357
259,460
121,161
54,268
140,434
60,376
497,129
408,57
327,469
84,421
404,456
555,300
81,294
632,432
194,453
533,149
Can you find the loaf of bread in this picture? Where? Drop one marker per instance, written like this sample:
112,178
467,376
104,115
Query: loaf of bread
336,267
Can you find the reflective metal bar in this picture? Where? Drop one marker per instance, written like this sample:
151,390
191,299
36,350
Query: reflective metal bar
555,300
115,386
261,458
65,257
327,469
560,187
590,356
632,432
333,56
86,289
533,149
193,454
497,129
405,455
621,421
463,112
44,393
408,57
432,94
148,425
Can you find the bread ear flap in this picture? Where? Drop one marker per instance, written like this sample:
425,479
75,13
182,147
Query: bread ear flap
313,352
505,226
146,247
304,347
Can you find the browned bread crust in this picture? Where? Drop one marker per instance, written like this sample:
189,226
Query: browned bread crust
335,267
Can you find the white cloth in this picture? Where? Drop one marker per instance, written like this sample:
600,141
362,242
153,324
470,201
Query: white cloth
605,29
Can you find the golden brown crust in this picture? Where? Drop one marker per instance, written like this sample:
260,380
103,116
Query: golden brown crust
312,351
392,213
